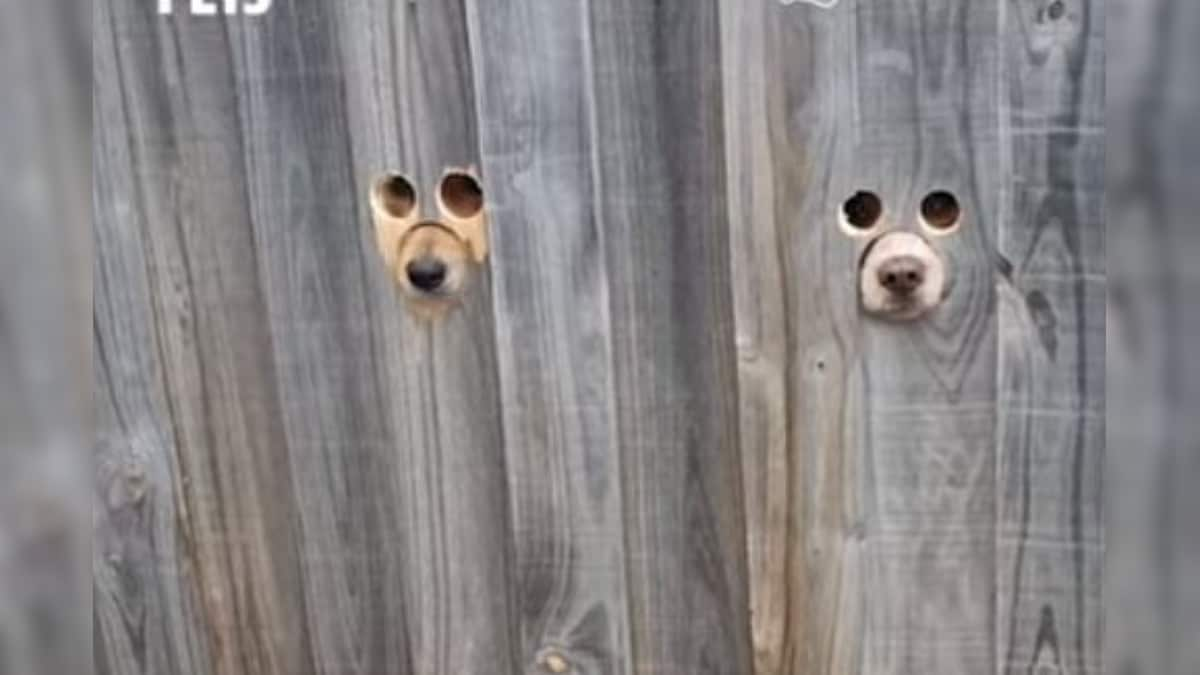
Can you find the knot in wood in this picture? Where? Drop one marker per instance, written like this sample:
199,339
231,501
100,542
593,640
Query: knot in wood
554,662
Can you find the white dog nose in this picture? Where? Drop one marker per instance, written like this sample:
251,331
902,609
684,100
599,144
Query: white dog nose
902,275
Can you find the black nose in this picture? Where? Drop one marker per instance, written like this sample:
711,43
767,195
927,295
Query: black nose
426,273
902,275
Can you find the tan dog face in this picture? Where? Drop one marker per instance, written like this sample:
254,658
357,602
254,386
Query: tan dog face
430,260
901,276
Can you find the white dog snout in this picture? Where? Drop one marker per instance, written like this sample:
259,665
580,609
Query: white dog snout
901,277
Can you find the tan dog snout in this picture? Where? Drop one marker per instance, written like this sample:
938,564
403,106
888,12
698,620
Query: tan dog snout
430,260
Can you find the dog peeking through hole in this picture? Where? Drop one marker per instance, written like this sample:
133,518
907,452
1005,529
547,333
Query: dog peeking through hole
430,260
901,276
433,263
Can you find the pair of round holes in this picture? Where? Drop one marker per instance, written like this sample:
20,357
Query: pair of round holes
459,193
940,211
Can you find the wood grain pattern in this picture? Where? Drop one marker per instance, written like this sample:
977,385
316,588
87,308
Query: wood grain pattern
788,108
194,395
324,460
927,120
657,436
411,107
553,334
884,548
146,616
660,190
397,448
1051,382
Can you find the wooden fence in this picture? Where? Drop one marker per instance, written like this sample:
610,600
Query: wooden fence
658,436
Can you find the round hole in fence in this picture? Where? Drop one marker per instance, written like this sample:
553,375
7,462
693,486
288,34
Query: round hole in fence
862,210
396,195
940,210
461,195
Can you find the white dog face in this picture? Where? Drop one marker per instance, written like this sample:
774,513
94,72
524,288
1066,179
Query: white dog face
901,277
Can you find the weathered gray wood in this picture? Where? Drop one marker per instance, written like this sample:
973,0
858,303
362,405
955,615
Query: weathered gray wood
660,190
758,299
216,499
1152,542
657,436
335,468
1051,371
147,617
620,188
787,79
927,115
406,411
411,108
534,76
874,481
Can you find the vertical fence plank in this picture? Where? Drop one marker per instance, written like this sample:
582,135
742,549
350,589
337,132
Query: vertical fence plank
661,185
884,480
391,424
761,334
1051,388
789,110
339,488
533,73
227,534
927,119
147,613
411,108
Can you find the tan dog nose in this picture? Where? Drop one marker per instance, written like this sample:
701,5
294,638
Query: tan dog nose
902,275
